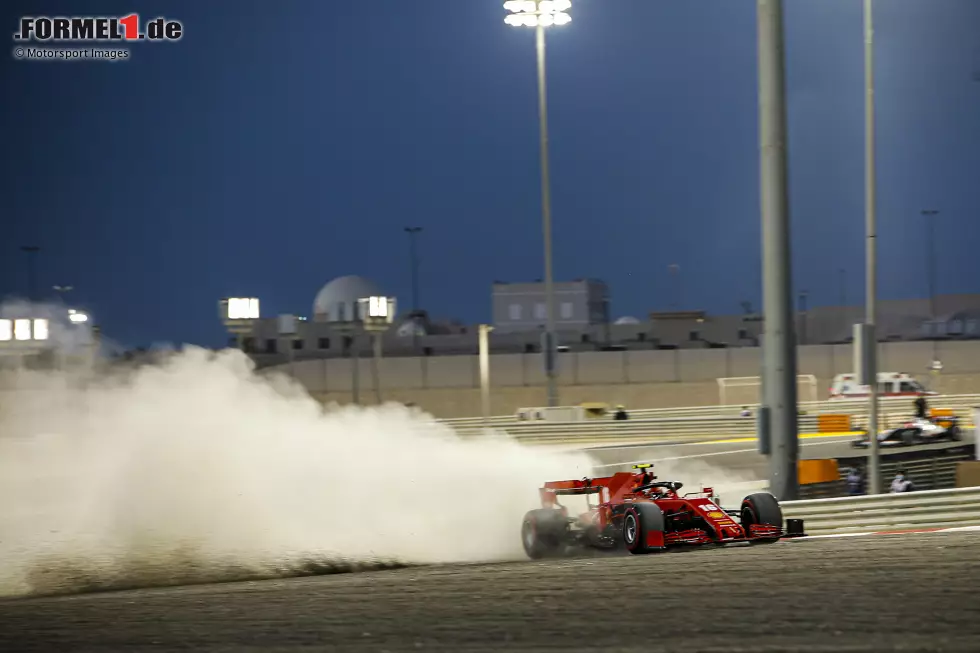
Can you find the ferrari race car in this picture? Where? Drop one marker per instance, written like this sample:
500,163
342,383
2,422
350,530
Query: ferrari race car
636,511
917,431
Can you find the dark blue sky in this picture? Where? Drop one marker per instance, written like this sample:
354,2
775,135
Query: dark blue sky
281,144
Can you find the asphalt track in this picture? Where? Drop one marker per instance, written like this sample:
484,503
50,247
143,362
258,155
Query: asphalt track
878,593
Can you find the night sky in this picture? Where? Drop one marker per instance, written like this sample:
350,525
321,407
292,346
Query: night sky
281,144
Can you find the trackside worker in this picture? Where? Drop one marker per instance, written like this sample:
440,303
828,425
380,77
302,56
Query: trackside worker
920,407
855,482
621,413
901,483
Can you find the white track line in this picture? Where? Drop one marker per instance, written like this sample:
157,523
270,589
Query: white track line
911,531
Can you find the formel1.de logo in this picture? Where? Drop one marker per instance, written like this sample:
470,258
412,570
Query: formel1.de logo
47,29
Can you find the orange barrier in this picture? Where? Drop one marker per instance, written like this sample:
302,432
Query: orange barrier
818,471
833,423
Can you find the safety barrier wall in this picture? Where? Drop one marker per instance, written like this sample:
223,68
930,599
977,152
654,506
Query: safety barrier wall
883,512
892,408
671,429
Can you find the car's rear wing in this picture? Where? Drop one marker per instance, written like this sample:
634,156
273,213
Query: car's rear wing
608,486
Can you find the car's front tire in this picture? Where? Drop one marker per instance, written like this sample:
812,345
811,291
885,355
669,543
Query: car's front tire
761,508
643,528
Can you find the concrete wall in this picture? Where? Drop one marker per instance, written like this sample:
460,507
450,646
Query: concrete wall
448,386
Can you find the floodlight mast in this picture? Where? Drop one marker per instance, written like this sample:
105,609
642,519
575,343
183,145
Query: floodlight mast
377,314
238,315
541,14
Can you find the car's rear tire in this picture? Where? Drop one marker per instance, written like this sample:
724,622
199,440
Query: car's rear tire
761,508
643,528
543,532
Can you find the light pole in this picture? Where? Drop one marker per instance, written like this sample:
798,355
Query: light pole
31,251
929,215
541,14
62,291
485,330
804,295
779,346
871,273
238,315
414,263
376,315
673,270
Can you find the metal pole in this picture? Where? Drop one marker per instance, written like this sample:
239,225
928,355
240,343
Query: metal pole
375,366
673,269
549,285
929,216
779,348
485,373
803,316
871,274
413,255
355,372
62,291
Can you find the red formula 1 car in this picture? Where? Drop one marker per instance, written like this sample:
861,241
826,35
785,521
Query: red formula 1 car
644,514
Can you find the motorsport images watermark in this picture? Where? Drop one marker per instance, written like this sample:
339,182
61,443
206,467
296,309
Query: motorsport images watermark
102,30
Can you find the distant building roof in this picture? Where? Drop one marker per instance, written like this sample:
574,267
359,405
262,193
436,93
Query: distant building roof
337,300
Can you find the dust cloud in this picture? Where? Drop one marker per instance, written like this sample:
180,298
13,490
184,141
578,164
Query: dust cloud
197,469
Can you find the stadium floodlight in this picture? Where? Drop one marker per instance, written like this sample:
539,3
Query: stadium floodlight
22,329
537,13
376,310
243,308
376,314
40,331
541,14
77,317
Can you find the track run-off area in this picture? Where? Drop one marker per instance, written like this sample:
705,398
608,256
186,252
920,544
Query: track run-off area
894,592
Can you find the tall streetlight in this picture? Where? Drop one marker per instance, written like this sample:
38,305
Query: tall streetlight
929,215
413,255
675,290
870,340
541,14
779,346
62,291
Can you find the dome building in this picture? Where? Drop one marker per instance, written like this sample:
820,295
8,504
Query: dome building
337,300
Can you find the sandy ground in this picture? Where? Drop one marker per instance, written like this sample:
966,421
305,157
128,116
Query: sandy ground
878,593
